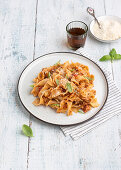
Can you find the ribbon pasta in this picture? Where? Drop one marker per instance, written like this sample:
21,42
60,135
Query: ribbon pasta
65,87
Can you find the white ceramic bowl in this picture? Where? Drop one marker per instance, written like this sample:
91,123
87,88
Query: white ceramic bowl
101,18
46,113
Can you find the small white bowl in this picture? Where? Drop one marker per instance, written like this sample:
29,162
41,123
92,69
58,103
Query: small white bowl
101,18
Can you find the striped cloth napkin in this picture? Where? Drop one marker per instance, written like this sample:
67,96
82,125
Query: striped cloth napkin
110,109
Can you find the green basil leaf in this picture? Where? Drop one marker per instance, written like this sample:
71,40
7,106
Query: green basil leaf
105,58
112,52
55,105
112,56
27,131
57,63
69,87
32,85
117,57
66,76
89,78
80,111
57,81
48,74
72,69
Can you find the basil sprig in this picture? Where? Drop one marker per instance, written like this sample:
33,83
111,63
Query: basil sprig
69,87
80,111
66,76
57,63
55,104
48,74
27,131
32,85
57,82
112,56
72,69
89,78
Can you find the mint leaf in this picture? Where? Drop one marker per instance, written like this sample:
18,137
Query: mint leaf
57,81
105,58
27,131
69,87
32,85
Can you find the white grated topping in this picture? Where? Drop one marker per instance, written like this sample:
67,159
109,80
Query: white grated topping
110,29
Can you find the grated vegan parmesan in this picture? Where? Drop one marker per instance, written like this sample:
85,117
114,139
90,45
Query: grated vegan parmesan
110,29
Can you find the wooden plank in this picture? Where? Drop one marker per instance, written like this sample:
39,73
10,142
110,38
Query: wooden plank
107,138
49,149
17,20
112,9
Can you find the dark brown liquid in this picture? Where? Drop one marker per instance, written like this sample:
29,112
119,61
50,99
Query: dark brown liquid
76,31
76,37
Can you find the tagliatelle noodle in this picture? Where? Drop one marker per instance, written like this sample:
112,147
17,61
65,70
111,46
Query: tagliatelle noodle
67,88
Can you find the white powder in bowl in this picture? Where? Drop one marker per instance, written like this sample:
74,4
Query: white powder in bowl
110,29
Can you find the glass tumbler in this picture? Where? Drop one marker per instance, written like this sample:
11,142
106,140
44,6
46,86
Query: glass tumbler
76,34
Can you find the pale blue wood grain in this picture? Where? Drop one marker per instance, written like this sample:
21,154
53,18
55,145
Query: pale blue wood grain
17,24
50,149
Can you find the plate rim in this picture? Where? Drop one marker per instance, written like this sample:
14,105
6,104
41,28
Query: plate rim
57,123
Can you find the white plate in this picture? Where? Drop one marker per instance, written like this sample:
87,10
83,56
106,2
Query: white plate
46,113
101,18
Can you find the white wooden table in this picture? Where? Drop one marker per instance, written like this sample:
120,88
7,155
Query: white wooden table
29,29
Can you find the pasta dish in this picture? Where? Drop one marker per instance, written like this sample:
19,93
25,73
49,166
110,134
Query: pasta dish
66,88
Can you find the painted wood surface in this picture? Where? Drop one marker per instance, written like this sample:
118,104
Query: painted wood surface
17,29
28,30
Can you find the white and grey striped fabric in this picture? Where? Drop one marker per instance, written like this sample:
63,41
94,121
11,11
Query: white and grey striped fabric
110,109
